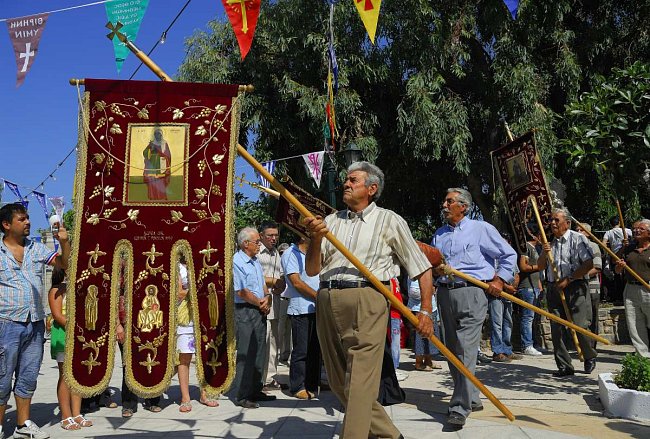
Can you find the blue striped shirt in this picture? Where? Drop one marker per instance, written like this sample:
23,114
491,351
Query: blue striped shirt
21,285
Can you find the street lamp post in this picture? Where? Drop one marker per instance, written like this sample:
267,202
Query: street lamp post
352,153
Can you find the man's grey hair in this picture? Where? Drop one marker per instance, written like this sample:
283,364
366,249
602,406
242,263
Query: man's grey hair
564,211
645,222
585,226
375,176
463,197
245,234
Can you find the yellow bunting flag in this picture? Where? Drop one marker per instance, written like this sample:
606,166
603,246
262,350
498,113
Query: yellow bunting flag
369,12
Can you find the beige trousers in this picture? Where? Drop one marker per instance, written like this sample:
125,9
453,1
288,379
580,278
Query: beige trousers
351,326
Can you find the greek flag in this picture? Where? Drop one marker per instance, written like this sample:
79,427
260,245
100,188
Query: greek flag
270,167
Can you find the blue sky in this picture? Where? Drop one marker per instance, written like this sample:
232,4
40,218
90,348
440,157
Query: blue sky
39,119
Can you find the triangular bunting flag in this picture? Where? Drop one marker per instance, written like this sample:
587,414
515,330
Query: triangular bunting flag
40,197
314,162
513,6
130,14
243,16
25,34
13,187
369,12
59,205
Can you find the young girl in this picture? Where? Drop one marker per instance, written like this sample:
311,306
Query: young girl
424,349
185,344
69,403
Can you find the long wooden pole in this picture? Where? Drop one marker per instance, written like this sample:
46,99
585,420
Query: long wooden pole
371,277
621,222
549,257
525,304
395,303
633,273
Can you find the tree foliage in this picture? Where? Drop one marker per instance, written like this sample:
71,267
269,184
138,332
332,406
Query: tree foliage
426,101
608,137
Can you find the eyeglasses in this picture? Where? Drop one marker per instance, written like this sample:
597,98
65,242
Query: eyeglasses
556,220
272,235
258,242
449,201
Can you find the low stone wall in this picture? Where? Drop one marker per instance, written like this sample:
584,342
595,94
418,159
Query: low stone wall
611,325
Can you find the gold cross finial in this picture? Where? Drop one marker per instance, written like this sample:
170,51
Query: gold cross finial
115,31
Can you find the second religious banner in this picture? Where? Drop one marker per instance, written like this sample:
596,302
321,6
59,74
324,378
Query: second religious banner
522,175
154,199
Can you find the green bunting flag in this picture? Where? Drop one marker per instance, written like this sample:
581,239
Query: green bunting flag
130,14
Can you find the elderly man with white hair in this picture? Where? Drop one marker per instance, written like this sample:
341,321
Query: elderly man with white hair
637,298
573,258
252,304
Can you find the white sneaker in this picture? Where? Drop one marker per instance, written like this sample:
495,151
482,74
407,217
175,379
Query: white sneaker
30,431
530,350
401,376
2,434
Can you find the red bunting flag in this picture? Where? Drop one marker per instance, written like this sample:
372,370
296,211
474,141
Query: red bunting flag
243,15
25,34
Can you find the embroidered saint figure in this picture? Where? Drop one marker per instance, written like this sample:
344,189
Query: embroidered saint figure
213,305
90,306
150,315
157,162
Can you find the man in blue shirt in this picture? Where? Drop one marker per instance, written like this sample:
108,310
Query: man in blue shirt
21,312
304,372
252,304
474,248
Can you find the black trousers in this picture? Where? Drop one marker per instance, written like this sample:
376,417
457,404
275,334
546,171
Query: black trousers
130,399
304,371
251,351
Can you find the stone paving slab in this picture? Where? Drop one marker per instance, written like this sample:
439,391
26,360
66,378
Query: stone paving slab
545,408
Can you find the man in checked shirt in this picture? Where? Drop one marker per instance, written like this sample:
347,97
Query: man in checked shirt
351,316
21,312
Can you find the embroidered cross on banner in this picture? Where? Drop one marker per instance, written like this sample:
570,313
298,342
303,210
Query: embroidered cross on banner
244,19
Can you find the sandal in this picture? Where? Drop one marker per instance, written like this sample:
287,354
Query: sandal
185,407
127,413
210,402
83,422
69,424
153,408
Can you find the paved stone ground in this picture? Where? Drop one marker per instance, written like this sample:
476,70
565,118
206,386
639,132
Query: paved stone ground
545,408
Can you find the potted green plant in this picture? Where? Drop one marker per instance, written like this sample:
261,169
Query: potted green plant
627,394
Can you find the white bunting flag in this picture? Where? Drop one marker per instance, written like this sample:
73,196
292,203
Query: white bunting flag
314,162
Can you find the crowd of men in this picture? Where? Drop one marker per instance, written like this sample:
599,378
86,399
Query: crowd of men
311,306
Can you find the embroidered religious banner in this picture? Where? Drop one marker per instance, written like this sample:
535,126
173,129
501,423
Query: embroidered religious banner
25,34
243,15
154,189
369,13
522,175
289,216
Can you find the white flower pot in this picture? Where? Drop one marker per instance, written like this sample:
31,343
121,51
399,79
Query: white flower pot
622,403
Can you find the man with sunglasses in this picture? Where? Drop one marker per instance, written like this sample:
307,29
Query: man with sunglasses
573,258
476,248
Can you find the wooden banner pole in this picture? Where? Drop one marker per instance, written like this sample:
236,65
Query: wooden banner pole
549,257
395,303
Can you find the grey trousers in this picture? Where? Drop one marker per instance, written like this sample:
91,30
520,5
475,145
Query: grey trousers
251,351
463,311
578,300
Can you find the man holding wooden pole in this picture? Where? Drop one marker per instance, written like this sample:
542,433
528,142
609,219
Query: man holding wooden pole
574,259
475,248
351,316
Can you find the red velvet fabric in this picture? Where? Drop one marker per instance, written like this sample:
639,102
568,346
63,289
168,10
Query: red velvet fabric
521,175
136,107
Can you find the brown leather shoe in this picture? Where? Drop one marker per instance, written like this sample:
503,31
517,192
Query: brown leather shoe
501,358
